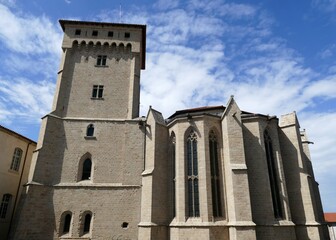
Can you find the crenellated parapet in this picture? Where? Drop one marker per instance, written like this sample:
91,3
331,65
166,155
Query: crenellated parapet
108,37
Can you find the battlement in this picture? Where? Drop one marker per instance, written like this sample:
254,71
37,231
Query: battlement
116,36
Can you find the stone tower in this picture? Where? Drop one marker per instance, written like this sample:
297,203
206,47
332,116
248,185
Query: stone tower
86,175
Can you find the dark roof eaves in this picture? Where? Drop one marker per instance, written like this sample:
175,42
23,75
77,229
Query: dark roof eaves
63,22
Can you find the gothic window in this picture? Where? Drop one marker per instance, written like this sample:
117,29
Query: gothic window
66,223
87,165
215,184
5,205
97,91
77,32
192,175
87,223
173,172
101,60
90,130
272,173
110,34
16,159
127,35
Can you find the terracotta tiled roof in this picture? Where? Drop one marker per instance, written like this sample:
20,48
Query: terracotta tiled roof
330,217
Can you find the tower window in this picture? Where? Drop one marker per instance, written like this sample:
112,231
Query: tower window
215,185
87,166
66,223
87,223
110,34
16,159
192,175
273,176
101,60
127,35
77,32
97,91
5,205
124,225
90,130
95,33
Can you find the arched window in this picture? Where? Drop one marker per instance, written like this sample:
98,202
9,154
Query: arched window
273,176
215,184
87,223
6,198
16,159
90,130
172,148
66,223
86,173
192,175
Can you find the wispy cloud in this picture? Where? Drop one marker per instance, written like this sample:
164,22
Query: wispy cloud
198,53
32,48
28,34
324,5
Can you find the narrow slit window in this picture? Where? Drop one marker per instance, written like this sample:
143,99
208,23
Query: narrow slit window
215,181
192,175
67,222
87,223
87,166
273,176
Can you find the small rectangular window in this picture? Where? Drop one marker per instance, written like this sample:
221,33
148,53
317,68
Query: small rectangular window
78,32
101,60
127,35
97,91
95,33
110,34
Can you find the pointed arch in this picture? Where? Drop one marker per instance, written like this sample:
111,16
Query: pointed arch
273,176
85,167
192,174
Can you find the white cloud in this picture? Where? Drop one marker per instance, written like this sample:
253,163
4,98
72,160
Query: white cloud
24,99
28,34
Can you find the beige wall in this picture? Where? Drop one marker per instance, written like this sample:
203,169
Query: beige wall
10,179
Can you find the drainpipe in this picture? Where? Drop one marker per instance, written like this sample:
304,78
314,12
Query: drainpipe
18,190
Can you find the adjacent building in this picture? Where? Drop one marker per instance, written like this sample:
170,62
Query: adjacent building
15,158
330,219
215,172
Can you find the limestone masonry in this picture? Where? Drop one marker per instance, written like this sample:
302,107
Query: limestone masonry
102,172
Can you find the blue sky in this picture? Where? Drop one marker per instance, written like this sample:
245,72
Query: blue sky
275,57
